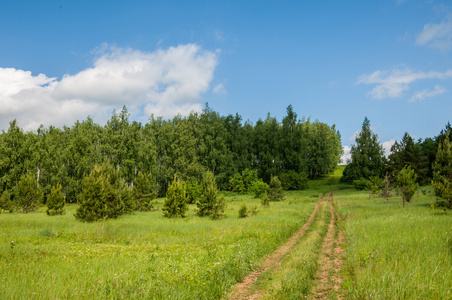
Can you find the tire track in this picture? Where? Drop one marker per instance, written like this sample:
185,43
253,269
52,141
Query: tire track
243,290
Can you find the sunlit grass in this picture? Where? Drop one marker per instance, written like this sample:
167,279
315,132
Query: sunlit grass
143,255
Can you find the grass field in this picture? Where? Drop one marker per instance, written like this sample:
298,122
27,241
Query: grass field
391,252
143,255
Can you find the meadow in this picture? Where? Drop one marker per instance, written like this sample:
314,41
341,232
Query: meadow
143,255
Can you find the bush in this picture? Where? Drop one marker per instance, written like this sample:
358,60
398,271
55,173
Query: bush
236,184
259,188
210,203
6,204
194,191
55,201
293,180
265,201
243,211
275,191
360,184
176,200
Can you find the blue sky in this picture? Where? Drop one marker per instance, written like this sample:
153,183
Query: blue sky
335,61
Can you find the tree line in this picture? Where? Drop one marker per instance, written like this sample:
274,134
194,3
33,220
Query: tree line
410,164
149,156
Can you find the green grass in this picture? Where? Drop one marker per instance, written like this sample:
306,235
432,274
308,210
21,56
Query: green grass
395,252
143,255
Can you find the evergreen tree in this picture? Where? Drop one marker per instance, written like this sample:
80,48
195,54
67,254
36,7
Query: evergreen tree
367,156
176,200
143,191
210,203
442,173
29,195
275,191
55,201
406,181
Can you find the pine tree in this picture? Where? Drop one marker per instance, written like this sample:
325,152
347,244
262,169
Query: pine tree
143,192
29,195
406,180
210,203
176,200
55,201
442,173
275,191
367,156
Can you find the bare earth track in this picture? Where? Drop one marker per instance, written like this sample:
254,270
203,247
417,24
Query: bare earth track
243,289
328,281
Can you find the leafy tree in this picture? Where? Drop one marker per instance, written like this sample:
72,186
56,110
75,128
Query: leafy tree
29,195
442,173
143,192
367,156
176,200
210,203
6,204
360,184
55,201
275,191
292,180
406,180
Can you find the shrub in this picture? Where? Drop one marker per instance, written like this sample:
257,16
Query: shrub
236,184
55,201
243,211
275,191
293,180
210,203
176,200
360,184
6,204
259,188
143,192
194,191
265,201
406,180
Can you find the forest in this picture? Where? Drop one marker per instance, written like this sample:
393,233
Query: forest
152,154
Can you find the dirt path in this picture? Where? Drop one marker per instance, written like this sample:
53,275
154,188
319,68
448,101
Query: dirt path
243,290
328,280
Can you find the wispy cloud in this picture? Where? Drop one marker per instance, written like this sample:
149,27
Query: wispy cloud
220,89
393,84
164,82
422,95
437,35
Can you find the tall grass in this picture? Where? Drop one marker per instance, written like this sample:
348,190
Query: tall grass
143,255
395,252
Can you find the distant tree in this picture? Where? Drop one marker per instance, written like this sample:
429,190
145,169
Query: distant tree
292,180
406,180
275,191
386,186
176,200
442,173
29,195
55,201
408,153
143,192
367,156
6,204
210,202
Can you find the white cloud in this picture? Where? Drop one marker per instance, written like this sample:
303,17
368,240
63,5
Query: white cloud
437,35
393,84
422,95
346,155
219,89
387,146
166,82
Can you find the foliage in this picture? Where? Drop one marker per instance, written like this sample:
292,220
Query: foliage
210,203
143,192
386,186
176,200
194,191
259,188
104,195
367,157
265,201
442,173
29,195
360,184
275,191
373,185
55,201
292,180
236,184
406,181
6,204
243,211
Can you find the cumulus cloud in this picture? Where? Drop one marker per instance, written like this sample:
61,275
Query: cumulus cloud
437,35
422,95
346,155
393,84
164,82
387,146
